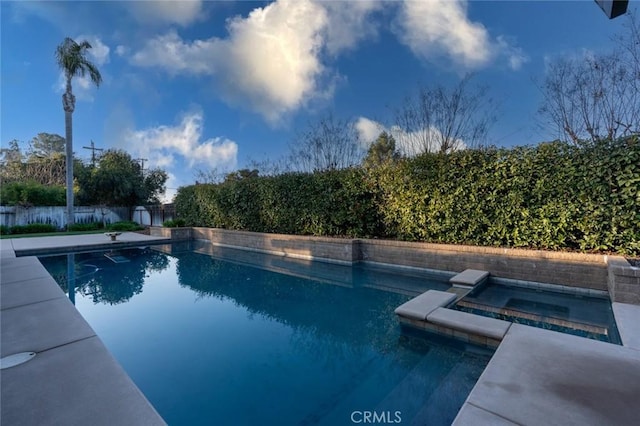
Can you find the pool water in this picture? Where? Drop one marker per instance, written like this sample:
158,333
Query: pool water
211,340
584,316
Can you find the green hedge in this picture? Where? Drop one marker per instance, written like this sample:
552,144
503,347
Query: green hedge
32,194
337,203
124,226
32,228
173,223
550,196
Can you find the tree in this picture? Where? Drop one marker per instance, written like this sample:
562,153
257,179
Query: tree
71,58
242,174
383,150
43,164
46,160
445,120
327,144
118,180
11,166
154,186
46,145
595,95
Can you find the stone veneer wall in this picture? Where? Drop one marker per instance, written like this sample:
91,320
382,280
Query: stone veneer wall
173,233
332,249
568,269
624,281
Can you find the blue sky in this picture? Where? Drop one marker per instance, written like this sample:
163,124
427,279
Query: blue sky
196,85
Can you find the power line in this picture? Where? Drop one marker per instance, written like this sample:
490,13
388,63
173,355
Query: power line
93,152
141,160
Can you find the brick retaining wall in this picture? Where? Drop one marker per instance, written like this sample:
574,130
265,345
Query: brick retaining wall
331,249
561,268
173,233
569,269
624,281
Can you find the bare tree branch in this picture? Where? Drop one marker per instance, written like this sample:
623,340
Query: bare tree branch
327,144
595,96
445,120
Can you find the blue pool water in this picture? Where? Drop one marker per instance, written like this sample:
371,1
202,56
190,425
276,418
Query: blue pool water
223,337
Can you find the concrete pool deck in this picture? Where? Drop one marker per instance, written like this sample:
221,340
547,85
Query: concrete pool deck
66,243
542,377
535,377
73,379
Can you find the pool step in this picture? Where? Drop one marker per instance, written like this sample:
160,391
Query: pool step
589,328
469,323
421,306
469,278
116,257
428,312
460,292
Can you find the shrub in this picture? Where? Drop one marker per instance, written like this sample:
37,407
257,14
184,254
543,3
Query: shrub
550,196
124,226
174,223
32,194
33,228
4,230
337,203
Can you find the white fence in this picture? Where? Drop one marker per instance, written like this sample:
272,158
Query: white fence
57,216
153,215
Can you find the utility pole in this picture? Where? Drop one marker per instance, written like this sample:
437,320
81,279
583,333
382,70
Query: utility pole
93,152
141,160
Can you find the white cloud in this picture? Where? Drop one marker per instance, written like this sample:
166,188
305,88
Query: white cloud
176,56
122,50
273,57
419,141
162,144
349,22
99,52
172,185
271,60
441,28
181,12
515,55
368,130
407,143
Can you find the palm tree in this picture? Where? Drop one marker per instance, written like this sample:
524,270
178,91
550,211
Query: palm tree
71,58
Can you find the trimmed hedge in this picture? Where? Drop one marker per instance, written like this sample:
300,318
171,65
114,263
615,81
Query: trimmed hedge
550,196
124,226
173,223
336,203
32,228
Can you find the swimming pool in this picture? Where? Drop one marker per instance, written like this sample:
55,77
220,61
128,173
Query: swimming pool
212,337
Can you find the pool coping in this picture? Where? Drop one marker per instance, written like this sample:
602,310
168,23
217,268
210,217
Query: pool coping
540,376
